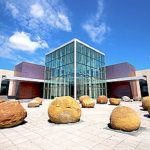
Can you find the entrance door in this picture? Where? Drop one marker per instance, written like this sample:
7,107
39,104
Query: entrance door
4,88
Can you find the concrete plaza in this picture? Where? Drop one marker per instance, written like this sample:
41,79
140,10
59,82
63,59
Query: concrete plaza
91,132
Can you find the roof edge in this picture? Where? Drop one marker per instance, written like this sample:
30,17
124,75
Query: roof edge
74,40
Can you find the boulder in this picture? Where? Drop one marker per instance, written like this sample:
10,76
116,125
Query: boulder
33,103
11,114
64,110
137,99
124,118
146,102
102,99
114,101
126,99
39,100
81,98
88,103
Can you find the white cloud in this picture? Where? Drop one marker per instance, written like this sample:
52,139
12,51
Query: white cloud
14,11
95,27
41,15
37,11
7,52
22,41
96,33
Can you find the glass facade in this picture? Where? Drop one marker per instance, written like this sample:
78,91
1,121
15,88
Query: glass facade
75,69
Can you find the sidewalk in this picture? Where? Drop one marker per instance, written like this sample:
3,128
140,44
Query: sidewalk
91,132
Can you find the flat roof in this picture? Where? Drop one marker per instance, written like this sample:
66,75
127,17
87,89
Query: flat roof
126,79
73,40
23,79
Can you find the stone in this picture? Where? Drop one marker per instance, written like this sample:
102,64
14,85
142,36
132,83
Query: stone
124,118
146,102
81,98
88,103
64,110
137,99
102,99
33,103
11,114
114,101
39,100
126,99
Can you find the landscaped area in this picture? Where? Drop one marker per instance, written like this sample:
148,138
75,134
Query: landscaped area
91,132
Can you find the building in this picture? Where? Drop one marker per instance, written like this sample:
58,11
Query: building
122,80
143,86
25,82
75,69
5,86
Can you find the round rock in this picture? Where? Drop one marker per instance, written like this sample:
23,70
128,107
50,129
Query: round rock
64,110
88,103
84,97
102,99
33,103
114,101
146,102
11,114
126,99
39,100
124,118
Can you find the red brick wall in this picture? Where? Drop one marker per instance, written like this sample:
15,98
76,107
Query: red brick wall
29,90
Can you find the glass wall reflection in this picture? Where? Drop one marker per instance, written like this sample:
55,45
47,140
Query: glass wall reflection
59,72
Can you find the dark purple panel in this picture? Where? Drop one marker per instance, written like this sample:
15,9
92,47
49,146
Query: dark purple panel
120,70
29,70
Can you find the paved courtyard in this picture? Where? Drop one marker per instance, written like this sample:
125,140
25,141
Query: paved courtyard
91,132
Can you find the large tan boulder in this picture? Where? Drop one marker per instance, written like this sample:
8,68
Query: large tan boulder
114,101
146,102
124,118
64,110
84,97
39,100
102,99
33,103
88,103
11,114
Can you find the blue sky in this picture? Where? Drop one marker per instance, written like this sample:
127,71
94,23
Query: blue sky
120,29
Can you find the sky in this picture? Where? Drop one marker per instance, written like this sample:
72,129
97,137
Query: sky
31,28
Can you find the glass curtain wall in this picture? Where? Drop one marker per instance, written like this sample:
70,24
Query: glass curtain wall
59,72
90,72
